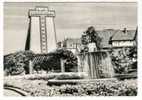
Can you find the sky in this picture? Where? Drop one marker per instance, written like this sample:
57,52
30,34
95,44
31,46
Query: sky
71,20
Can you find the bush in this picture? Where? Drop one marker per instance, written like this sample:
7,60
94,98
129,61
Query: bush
90,36
124,60
42,77
51,61
57,76
16,63
97,88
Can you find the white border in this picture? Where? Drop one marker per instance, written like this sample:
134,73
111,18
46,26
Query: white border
70,0
1,48
140,47
72,98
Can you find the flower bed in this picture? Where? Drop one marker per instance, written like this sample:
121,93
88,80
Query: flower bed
97,88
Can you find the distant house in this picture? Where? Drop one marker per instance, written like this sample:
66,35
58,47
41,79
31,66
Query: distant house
72,44
123,38
110,38
106,34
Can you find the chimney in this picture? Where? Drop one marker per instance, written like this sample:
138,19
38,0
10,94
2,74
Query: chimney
125,30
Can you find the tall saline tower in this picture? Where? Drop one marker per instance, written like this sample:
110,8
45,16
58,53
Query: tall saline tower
41,33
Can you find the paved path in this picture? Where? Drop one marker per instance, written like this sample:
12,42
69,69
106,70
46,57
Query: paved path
10,93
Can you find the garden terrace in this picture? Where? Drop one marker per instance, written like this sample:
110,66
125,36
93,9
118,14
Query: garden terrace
39,87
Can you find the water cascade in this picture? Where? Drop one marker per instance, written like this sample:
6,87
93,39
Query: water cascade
96,64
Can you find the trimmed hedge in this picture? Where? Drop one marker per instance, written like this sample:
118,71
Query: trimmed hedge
57,76
69,76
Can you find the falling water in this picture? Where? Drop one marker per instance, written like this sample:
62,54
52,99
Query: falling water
96,64
107,67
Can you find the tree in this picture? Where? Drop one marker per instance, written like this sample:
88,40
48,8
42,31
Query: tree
52,60
125,61
133,56
16,63
47,63
91,36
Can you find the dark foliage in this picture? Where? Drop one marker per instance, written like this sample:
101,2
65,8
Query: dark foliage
91,36
125,61
97,88
16,63
52,60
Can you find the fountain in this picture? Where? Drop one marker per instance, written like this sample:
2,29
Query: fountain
95,64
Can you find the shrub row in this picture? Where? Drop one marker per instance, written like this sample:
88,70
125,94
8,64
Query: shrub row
99,88
57,76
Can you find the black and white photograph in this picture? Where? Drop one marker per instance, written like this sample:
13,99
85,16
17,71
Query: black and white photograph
70,49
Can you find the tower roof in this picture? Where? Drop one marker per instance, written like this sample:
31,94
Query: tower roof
41,10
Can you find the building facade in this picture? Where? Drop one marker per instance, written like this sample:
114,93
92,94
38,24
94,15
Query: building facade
110,39
41,34
124,38
72,44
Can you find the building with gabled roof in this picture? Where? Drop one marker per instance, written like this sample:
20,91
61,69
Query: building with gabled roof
106,34
110,39
72,44
124,38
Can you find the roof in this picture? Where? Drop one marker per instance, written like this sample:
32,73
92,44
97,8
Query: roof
109,34
122,36
73,40
106,35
